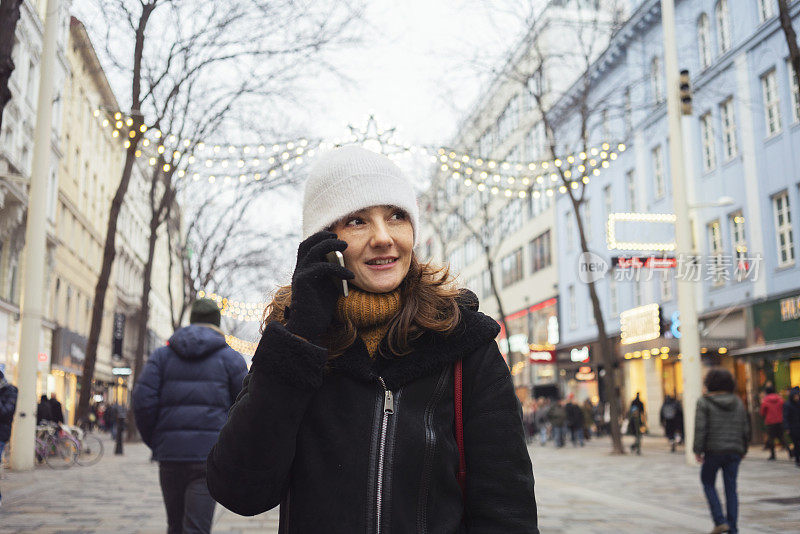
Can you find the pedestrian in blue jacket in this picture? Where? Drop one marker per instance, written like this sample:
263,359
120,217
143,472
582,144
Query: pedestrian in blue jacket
181,402
8,404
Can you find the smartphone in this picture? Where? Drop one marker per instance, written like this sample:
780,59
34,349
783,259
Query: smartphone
337,258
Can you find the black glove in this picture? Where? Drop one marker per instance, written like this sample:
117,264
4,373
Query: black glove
314,292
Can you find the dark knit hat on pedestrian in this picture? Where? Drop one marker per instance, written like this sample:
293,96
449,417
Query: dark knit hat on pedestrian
205,311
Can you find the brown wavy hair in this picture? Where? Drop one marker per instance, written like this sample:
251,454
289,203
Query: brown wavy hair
428,302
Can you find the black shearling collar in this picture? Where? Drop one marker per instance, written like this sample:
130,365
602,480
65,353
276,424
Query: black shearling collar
430,352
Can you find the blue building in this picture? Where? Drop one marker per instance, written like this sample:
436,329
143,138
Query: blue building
742,153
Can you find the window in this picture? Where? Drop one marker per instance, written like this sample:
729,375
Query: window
723,26
707,136
486,284
511,267
573,308
658,172
586,215
568,228
638,297
715,251
536,142
656,80
783,229
630,183
539,250
728,128
765,10
772,114
628,112
665,285
738,241
795,93
704,41
613,298
608,200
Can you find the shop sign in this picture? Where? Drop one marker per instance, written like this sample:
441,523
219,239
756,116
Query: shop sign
542,356
118,336
643,262
790,308
777,319
640,324
579,355
121,371
69,350
585,374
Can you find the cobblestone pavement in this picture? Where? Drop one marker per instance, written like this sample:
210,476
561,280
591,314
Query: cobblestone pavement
584,490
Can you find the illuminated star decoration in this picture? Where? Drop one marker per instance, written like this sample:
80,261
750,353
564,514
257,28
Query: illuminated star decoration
372,137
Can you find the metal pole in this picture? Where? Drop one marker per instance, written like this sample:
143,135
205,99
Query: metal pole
690,337
22,449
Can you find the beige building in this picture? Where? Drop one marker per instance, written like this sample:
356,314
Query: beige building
88,178
16,155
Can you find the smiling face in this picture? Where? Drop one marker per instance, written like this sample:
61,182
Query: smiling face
380,240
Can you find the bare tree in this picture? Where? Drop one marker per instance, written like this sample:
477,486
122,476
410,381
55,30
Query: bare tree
230,46
557,80
487,226
558,118
791,38
9,15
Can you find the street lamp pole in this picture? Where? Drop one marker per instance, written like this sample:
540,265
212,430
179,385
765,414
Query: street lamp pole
687,305
32,309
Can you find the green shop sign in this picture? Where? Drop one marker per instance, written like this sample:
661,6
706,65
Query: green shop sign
777,320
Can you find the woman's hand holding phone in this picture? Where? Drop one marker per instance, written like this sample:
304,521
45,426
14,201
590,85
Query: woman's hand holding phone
314,296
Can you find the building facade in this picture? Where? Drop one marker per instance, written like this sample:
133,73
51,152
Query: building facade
16,154
87,165
467,210
743,176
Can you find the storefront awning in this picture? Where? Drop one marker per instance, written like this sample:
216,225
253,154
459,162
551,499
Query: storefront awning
775,351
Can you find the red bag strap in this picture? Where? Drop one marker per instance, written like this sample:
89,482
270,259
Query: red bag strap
462,464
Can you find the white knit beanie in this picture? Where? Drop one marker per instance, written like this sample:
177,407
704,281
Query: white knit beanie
352,178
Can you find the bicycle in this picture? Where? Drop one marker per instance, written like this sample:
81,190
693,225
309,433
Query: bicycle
90,448
56,451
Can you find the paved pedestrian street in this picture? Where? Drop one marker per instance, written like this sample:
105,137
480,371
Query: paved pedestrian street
583,490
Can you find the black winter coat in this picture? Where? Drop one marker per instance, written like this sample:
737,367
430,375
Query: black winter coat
355,444
183,397
791,414
8,404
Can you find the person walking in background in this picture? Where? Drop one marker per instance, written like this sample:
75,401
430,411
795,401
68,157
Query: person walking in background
772,412
588,418
180,403
721,436
557,416
791,420
542,407
8,405
639,405
56,411
671,417
574,421
349,415
43,412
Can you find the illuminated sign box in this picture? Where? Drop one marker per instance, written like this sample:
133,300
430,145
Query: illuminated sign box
640,324
647,226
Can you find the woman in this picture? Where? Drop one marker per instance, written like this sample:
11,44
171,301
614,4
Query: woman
721,437
346,418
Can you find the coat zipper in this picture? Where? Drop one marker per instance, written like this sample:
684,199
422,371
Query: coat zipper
388,409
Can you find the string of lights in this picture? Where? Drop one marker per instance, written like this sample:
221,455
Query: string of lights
496,177
237,309
247,348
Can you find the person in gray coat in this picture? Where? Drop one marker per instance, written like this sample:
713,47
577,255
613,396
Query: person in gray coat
721,436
